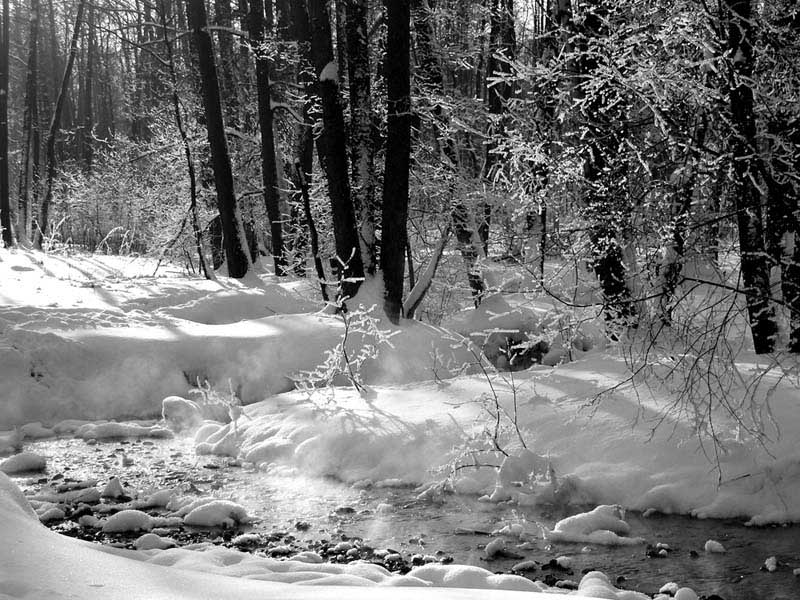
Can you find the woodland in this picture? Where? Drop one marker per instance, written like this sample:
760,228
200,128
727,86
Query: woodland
647,147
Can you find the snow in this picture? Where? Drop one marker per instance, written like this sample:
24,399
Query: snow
99,431
330,72
151,541
113,489
128,520
602,525
90,342
22,462
217,513
714,547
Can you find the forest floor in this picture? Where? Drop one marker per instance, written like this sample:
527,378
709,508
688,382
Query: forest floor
90,343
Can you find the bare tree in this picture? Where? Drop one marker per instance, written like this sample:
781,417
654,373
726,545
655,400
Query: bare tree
746,197
55,122
332,150
398,155
269,169
5,201
234,240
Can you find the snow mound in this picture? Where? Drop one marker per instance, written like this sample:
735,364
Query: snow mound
128,520
22,462
602,525
180,413
217,513
596,585
10,441
35,431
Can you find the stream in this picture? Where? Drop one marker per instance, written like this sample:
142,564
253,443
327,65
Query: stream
317,513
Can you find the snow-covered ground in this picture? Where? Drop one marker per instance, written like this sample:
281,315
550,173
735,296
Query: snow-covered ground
96,337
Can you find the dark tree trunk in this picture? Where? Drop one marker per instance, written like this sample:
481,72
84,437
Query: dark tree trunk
54,127
746,199
269,168
29,170
502,49
332,150
361,127
5,196
602,166
298,29
232,229
398,154
223,17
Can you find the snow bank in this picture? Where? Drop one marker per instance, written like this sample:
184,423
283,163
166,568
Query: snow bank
117,348
602,454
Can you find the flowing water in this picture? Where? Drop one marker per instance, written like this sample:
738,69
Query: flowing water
459,528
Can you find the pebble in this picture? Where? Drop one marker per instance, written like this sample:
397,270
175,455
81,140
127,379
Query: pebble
565,562
771,564
342,547
525,565
495,547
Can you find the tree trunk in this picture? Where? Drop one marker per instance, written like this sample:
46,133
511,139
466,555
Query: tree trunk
298,29
87,148
232,230
361,128
5,199
502,49
398,155
429,75
29,170
223,17
746,199
187,149
332,150
50,156
269,168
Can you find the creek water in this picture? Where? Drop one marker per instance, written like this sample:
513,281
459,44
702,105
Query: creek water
459,527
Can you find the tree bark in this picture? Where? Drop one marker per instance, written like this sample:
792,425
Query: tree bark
87,125
187,149
746,199
398,155
502,50
332,150
361,128
54,127
223,17
269,167
29,170
5,196
232,230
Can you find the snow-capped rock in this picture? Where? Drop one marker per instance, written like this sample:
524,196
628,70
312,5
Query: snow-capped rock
714,547
128,520
23,462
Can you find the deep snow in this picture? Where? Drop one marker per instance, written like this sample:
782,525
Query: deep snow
95,337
